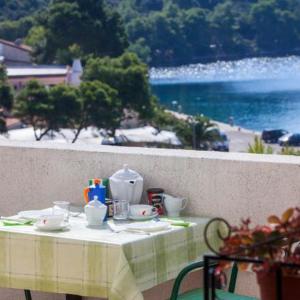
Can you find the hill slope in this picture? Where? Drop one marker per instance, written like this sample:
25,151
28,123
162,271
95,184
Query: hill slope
16,9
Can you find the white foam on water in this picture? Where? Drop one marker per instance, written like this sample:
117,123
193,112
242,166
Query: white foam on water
282,73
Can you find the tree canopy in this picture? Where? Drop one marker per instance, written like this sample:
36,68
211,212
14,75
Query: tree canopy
160,32
16,9
173,32
128,76
89,24
6,98
62,106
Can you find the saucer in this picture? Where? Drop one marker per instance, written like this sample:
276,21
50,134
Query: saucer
34,214
60,227
143,218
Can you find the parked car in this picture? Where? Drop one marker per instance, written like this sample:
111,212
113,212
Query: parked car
272,136
291,139
222,144
114,141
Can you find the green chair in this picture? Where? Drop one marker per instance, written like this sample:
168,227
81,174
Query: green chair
198,294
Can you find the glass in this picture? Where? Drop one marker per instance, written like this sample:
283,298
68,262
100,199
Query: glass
62,207
121,209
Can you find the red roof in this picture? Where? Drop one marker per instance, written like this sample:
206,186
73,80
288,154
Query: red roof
14,45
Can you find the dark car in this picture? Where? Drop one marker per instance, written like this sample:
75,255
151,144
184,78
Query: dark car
222,144
272,136
290,140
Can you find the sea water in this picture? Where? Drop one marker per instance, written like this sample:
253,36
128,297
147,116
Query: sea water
258,93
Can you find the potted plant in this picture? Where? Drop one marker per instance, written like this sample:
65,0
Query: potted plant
277,244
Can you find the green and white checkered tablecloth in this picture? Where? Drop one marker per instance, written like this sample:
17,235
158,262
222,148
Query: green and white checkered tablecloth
96,262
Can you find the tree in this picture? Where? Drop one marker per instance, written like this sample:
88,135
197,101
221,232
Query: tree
12,30
88,23
129,77
275,27
33,107
64,101
92,104
16,9
99,107
6,98
203,131
45,109
193,132
197,32
140,48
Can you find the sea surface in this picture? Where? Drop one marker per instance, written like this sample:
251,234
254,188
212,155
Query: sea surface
258,93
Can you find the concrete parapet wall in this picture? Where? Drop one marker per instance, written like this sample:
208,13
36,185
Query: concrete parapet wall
231,185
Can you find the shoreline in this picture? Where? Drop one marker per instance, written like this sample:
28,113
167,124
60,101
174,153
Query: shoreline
239,137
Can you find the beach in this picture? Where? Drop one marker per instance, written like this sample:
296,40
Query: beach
239,138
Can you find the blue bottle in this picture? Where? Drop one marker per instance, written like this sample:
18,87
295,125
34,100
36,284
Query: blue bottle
97,189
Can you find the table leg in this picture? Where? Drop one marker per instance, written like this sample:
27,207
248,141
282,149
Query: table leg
73,297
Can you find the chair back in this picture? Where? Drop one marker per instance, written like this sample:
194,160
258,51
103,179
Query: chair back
233,278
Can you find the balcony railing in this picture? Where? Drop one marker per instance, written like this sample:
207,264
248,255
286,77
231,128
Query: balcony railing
230,185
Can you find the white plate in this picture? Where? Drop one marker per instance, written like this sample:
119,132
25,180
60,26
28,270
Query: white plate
34,214
42,227
150,226
143,218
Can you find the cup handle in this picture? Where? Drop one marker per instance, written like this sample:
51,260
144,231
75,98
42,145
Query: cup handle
185,202
154,209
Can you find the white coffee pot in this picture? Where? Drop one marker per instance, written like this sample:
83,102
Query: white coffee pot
126,184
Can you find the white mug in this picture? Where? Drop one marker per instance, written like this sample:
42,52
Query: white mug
174,205
51,220
140,210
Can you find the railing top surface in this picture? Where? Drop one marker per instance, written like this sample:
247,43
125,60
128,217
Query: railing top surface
208,155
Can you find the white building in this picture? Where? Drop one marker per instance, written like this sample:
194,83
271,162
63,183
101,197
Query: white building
17,59
15,53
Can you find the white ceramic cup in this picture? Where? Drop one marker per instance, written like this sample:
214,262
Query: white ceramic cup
174,205
141,210
51,220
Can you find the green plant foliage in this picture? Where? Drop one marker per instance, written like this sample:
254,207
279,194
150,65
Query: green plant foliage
187,31
128,76
259,147
99,107
193,132
90,24
34,108
92,104
12,30
16,9
47,109
63,99
160,32
6,98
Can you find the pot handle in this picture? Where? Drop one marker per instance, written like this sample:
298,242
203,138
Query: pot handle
185,202
86,194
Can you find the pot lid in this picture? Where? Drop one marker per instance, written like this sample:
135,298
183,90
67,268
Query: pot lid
95,202
126,174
